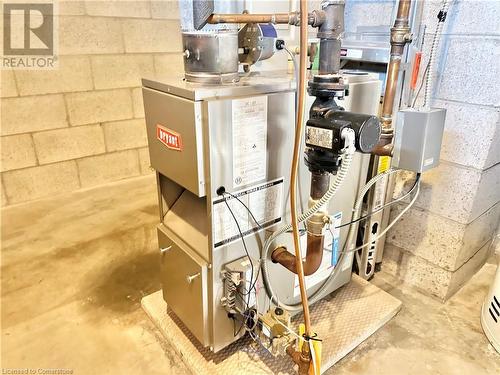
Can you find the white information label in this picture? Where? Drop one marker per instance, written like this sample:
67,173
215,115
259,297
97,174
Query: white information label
354,53
331,252
265,203
319,137
249,121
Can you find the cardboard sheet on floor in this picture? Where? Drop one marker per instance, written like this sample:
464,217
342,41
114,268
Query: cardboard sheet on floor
343,320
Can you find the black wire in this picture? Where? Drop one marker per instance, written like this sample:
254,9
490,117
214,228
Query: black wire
252,281
251,265
244,205
385,205
244,243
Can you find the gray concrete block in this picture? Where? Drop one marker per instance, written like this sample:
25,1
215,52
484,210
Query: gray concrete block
467,270
122,135
81,35
427,277
8,83
144,161
70,8
488,191
366,13
72,74
416,271
462,142
70,143
466,17
137,102
147,36
139,9
450,191
99,106
37,182
431,237
440,241
17,152
116,71
28,114
97,170
478,80
494,154
166,9
4,197
459,193
478,234
169,64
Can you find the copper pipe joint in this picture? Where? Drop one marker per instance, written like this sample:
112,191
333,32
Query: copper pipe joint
313,259
385,146
302,359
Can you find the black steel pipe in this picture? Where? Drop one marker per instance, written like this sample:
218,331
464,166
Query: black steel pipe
330,32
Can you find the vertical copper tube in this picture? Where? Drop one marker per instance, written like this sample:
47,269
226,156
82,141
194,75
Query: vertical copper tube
390,90
400,36
404,9
399,39
301,90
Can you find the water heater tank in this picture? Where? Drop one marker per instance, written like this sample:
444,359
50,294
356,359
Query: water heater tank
490,313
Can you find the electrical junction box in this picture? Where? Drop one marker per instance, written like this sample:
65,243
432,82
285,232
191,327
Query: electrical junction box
418,138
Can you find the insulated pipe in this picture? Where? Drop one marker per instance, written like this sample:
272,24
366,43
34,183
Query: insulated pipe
400,36
301,90
320,183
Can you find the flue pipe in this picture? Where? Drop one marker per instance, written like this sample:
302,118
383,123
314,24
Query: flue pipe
400,36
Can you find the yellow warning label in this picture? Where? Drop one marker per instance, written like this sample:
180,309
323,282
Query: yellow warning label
384,162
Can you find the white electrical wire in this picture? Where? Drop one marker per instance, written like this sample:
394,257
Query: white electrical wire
429,83
396,219
333,275
349,140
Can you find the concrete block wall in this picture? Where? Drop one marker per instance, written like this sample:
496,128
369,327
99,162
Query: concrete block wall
447,236
82,124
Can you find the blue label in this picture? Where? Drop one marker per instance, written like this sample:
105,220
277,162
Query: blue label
336,221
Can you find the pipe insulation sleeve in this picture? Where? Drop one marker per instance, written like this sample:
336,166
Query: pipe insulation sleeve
350,238
429,82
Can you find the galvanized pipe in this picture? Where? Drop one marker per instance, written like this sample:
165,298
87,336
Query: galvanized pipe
330,32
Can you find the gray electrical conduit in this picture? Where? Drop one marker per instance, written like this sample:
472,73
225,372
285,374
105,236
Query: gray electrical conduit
429,82
350,238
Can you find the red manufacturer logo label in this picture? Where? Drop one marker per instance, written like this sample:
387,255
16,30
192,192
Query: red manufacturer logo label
169,138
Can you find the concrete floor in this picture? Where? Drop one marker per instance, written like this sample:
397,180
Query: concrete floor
74,269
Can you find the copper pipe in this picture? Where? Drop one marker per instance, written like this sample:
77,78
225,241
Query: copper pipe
276,18
390,90
314,256
301,91
400,36
320,182
315,18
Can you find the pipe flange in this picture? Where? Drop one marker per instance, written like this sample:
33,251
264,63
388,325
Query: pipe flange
329,85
